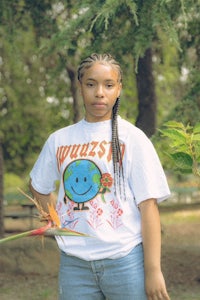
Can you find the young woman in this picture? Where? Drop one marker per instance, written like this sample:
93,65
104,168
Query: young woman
111,181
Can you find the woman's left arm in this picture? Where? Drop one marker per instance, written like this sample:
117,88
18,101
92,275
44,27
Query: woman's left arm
151,234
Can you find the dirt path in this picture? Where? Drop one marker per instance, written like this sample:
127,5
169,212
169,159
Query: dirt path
29,267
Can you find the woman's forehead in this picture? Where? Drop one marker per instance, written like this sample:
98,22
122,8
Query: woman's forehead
101,70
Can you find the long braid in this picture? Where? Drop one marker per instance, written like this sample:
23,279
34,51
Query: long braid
116,152
116,149
115,140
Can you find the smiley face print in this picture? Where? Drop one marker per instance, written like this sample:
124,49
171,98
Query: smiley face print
82,182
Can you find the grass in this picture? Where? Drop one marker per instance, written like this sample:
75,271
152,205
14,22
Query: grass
180,294
181,244
181,217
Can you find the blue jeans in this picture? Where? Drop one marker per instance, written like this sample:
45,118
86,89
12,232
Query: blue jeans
111,279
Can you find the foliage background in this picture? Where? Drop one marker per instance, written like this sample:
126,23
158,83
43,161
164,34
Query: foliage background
42,43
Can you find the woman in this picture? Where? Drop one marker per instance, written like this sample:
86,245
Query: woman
111,180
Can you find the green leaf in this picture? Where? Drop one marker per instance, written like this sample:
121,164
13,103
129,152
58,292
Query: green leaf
197,128
174,124
177,147
196,137
182,160
175,135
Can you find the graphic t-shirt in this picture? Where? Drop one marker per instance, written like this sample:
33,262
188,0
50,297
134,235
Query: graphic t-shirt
80,157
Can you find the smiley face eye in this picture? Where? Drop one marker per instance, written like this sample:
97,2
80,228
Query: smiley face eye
84,179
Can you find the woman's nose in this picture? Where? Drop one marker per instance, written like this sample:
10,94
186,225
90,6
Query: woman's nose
99,91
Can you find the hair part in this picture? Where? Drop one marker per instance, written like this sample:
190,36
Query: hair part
116,149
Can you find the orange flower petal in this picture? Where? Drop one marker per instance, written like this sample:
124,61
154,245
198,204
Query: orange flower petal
53,214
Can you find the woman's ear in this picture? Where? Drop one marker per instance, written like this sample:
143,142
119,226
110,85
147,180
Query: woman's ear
120,88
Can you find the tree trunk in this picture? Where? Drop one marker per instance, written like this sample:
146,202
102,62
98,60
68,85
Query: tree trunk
75,95
147,106
1,193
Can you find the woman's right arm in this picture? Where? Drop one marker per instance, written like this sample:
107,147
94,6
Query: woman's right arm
43,199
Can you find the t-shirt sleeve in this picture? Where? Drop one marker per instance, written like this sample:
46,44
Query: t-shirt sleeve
45,172
147,177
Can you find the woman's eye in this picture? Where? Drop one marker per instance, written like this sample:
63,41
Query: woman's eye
90,84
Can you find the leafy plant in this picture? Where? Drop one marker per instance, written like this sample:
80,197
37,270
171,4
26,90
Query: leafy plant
184,146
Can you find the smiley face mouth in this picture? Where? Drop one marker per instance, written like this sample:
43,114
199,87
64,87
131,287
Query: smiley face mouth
81,194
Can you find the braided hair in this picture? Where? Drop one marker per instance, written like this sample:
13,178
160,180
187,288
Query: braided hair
116,149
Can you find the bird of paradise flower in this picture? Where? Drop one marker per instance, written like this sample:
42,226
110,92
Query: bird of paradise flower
52,227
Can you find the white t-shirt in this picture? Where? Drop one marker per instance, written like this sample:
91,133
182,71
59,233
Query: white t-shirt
80,157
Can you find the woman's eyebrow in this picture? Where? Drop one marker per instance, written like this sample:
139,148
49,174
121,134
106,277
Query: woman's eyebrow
90,79
106,80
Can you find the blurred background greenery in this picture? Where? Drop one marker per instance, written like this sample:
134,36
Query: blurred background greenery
41,45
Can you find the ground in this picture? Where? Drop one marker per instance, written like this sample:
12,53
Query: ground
29,266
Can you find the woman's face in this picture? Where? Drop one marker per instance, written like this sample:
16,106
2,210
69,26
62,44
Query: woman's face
100,87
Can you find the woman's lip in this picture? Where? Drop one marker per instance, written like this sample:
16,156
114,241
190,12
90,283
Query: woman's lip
99,107
99,104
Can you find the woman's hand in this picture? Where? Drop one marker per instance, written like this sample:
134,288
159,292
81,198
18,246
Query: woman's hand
155,286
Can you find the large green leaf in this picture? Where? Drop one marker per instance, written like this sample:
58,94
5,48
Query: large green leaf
182,160
175,135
